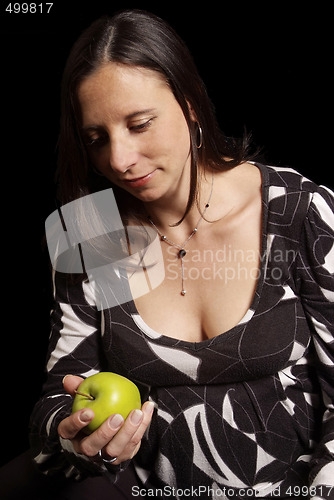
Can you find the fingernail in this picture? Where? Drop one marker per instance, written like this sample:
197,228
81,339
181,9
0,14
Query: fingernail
86,416
136,417
68,375
115,421
148,408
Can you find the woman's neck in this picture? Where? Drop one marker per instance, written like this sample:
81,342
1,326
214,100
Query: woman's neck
168,212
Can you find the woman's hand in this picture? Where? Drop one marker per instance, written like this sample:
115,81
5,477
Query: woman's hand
115,437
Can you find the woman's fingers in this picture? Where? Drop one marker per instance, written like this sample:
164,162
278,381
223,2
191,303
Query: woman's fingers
92,444
72,425
126,442
116,437
71,383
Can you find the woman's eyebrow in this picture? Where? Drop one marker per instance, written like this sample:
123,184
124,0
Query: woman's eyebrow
140,112
86,128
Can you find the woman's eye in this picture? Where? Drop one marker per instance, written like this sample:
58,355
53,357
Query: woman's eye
96,142
141,127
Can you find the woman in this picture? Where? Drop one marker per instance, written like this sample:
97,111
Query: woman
232,348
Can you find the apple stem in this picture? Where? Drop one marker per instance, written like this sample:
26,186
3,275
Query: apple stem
85,395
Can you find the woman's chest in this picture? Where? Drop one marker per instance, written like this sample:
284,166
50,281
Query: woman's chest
265,341
208,288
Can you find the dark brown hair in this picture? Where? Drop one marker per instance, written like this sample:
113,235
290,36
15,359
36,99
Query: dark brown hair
137,38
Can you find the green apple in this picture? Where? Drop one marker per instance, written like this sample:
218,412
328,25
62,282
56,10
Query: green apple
106,393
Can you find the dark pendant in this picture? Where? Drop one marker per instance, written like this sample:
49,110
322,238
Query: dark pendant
182,253
183,292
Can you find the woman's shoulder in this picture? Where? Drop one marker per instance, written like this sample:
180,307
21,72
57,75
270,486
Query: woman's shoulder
250,176
290,184
291,199
287,178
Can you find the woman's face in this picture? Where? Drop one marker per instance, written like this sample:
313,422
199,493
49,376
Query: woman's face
135,131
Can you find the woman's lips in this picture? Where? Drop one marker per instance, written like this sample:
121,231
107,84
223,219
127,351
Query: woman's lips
139,181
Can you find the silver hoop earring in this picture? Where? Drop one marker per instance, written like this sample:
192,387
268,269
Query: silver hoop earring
200,131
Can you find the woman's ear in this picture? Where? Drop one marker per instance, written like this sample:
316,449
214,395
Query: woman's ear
192,112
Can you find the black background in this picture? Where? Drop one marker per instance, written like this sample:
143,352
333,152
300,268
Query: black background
266,68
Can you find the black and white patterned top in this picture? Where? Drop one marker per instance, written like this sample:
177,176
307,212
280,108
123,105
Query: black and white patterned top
251,408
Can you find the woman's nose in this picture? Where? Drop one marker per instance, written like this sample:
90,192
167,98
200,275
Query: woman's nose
122,155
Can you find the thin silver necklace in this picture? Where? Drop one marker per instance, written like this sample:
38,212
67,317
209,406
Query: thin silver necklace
182,252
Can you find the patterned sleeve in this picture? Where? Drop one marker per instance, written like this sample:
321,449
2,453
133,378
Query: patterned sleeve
315,270
74,348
